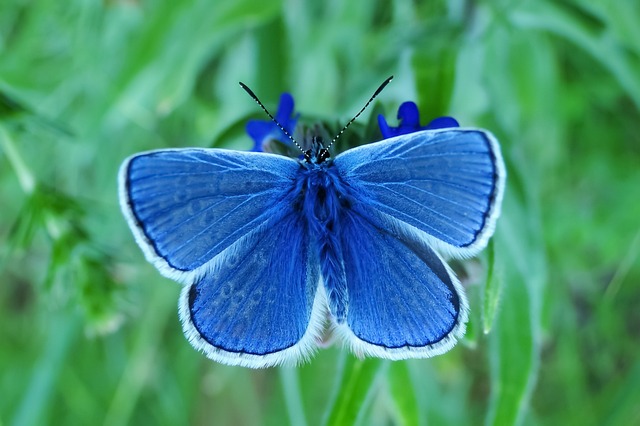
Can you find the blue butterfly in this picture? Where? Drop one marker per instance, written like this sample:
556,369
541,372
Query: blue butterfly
270,248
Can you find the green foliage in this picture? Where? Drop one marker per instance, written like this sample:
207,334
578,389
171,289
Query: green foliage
357,379
89,329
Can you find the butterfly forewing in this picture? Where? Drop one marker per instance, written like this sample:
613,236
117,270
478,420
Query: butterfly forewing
447,183
186,206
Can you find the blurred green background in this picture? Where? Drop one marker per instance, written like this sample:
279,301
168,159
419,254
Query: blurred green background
89,330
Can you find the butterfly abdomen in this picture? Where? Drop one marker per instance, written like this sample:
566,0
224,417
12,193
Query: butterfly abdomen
325,202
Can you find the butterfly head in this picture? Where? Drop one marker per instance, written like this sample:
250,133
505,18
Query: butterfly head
318,154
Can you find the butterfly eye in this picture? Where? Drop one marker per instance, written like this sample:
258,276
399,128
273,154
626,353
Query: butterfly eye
324,155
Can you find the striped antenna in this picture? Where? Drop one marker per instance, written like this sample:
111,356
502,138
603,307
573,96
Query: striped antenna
255,98
377,92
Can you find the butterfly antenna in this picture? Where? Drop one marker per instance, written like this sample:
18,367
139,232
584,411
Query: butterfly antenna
377,92
255,98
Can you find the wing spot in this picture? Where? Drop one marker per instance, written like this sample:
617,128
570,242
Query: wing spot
226,290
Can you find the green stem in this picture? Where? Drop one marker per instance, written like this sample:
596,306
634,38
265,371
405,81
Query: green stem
354,390
26,178
292,395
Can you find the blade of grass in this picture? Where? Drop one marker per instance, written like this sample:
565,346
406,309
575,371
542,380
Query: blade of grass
292,395
63,330
402,389
492,291
515,344
601,46
623,407
613,287
353,390
25,177
140,366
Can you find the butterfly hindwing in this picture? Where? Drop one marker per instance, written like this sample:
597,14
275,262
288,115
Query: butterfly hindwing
404,302
185,206
258,305
447,183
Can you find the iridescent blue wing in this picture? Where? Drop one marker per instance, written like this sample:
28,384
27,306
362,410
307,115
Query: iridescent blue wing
410,193
185,206
223,222
258,305
447,183
403,301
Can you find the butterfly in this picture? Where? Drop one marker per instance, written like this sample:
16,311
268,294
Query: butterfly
269,248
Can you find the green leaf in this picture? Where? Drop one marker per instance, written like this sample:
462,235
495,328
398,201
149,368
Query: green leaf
492,291
353,390
63,330
402,390
515,340
579,28
292,395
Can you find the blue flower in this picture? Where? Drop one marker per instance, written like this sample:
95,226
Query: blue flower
264,132
409,117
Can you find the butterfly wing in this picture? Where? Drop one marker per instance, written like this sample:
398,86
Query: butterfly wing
446,183
433,188
258,305
185,206
223,222
403,301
